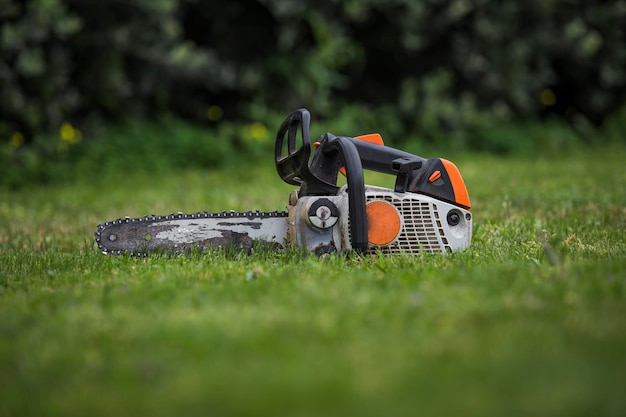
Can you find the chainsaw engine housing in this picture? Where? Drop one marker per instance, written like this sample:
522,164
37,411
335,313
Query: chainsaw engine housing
409,223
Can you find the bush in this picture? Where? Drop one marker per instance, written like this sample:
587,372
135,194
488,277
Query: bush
90,61
440,69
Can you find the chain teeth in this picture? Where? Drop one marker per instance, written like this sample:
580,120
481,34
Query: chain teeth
175,216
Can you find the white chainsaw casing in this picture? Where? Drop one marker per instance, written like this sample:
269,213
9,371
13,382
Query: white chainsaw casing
425,225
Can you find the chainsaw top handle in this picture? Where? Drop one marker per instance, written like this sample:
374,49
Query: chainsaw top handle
435,177
319,177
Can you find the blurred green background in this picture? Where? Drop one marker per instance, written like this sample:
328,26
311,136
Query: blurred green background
200,83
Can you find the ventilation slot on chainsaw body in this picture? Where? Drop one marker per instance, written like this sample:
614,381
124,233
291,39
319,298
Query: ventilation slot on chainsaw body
420,231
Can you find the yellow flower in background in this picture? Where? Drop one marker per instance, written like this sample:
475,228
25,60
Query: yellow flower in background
548,98
215,113
69,133
17,139
256,131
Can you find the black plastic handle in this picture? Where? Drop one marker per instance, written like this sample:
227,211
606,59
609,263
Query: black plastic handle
381,158
346,150
291,165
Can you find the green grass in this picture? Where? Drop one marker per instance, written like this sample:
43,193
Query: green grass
530,321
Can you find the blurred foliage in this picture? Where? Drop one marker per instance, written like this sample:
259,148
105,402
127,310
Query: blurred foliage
114,152
448,72
155,148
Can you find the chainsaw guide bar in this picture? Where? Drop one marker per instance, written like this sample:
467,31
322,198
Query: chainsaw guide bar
183,232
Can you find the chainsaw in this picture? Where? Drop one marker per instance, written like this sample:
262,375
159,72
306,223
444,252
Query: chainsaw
427,211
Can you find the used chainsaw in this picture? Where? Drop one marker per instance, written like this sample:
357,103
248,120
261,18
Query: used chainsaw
427,211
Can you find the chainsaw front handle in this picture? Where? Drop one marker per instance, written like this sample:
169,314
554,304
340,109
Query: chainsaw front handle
293,168
347,151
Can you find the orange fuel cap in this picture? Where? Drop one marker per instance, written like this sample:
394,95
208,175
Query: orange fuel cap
383,223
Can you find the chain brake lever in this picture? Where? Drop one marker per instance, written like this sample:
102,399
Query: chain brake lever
292,162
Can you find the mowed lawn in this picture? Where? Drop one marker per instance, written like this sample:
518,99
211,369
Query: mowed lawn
530,321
